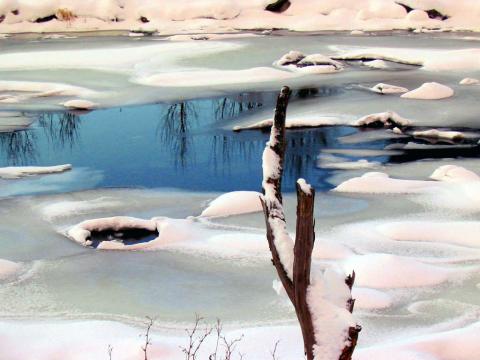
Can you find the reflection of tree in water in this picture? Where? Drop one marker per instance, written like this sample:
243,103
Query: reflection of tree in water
61,129
18,147
174,130
231,150
232,106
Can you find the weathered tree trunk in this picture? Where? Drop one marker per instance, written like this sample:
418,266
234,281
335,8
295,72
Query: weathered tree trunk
297,280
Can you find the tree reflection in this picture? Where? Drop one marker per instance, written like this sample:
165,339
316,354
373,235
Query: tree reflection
174,130
61,129
18,147
230,107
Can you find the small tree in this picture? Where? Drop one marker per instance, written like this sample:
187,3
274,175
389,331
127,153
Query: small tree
293,260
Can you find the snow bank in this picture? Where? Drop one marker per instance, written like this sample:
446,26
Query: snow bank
385,119
296,122
381,183
457,344
214,77
234,203
44,89
70,208
8,268
430,60
349,165
16,172
11,121
439,134
388,89
371,299
169,231
397,271
429,91
463,233
209,15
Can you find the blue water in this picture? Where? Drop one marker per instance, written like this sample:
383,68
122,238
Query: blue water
185,146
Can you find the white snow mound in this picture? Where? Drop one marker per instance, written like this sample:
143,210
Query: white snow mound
234,203
430,91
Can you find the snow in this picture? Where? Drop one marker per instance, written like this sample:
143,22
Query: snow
430,91
439,134
469,81
8,268
12,120
295,122
43,89
311,64
376,64
68,208
434,60
328,161
397,271
456,344
169,231
292,57
371,299
207,15
306,188
80,104
327,297
381,183
387,118
16,172
388,89
214,77
453,232
234,203
454,173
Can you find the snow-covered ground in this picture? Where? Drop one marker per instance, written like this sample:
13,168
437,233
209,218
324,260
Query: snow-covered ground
183,16
176,170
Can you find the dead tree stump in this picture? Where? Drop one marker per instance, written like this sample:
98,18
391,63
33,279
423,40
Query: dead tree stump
294,274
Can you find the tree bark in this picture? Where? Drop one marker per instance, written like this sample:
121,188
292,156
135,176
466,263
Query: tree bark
296,287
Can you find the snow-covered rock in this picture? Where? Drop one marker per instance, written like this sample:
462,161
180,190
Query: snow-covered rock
429,91
312,64
454,173
382,88
292,57
80,104
16,172
234,203
439,134
319,59
385,119
469,81
376,64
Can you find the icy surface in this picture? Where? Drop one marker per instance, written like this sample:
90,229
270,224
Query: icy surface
168,160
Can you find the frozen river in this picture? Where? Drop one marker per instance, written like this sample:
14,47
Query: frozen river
160,142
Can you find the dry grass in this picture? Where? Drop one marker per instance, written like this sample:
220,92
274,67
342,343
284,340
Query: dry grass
65,15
